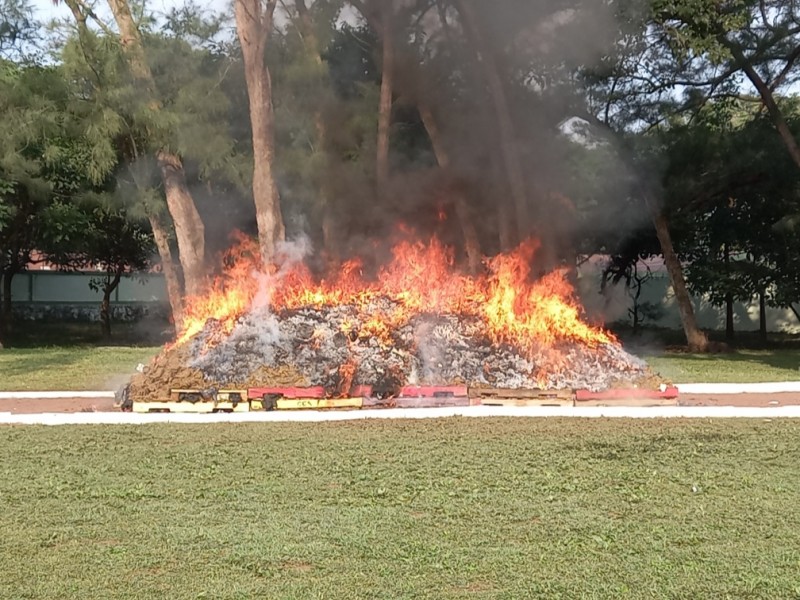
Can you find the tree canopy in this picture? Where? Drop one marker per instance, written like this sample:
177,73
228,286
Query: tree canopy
627,129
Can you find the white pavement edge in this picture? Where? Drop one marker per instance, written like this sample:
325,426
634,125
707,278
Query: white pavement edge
778,387
784,387
628,412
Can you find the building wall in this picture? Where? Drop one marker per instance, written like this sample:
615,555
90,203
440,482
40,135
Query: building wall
658,291
52,286
46,294
54,296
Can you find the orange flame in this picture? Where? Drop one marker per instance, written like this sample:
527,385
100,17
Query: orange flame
420,278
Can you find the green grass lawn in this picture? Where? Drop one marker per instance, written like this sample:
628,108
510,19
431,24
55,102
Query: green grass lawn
742,366
453,508
69,367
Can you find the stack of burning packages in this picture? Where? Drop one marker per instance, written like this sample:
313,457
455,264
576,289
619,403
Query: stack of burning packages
339,347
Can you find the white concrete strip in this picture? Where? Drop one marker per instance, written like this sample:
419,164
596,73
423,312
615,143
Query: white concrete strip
629,412
683,388
784,387
54,395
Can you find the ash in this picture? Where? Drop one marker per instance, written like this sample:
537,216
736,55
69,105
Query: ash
335,347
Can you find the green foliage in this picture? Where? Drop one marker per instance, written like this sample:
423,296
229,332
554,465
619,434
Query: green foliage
657,84
730,183
46,160
189,74
19,30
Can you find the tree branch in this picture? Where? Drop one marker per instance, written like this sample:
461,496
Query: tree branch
90,13
762,6
790,60
373,19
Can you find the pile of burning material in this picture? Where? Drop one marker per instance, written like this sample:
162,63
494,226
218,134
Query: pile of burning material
417,323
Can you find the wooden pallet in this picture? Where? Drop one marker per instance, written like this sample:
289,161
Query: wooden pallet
317,403
520,397
291,392
194,395
170,406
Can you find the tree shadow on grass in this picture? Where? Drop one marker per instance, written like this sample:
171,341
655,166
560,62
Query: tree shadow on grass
749,364
33,334
788,360
21,361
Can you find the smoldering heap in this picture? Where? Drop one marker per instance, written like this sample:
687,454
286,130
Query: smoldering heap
417,323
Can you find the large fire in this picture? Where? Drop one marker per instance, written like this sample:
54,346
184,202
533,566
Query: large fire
420,279
415,321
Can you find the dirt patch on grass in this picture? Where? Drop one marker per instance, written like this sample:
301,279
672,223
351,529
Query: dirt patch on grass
299,566
56,405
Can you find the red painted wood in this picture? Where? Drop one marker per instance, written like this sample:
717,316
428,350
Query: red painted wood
433,391
361,391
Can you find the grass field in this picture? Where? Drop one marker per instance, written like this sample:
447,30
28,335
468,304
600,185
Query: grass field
69,367
454,508
742,366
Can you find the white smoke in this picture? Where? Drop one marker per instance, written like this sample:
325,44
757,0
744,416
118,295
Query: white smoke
258,331
288,254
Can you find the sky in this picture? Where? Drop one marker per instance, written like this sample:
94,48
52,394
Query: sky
47,10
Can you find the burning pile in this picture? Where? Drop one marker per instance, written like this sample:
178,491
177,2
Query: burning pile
417,322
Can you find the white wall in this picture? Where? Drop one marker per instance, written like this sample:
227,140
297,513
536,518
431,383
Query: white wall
74,287
659,291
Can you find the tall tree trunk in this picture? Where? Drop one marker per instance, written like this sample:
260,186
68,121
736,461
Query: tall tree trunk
795,311
189,227
507,233
2,298
636,309
105,314
762,316
505,124
767,97
385,104
729,333
311,43
105,305
7,308
253,25
170,270
472,246
131,41
729,329
695,337
3,323
329,224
